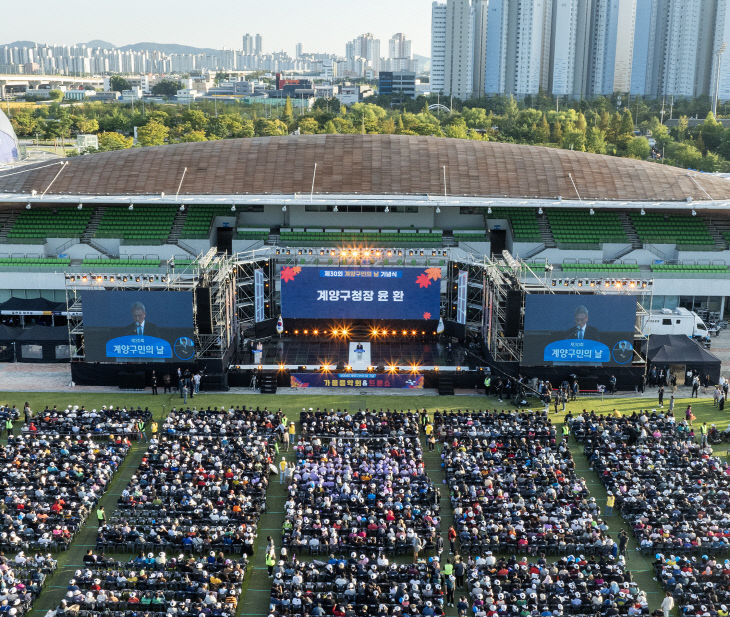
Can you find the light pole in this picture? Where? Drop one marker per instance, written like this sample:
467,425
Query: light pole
718,54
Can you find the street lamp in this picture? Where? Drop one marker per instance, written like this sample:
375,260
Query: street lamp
718,54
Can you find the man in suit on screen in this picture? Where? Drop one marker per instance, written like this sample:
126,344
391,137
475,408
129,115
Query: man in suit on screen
140,326
582,330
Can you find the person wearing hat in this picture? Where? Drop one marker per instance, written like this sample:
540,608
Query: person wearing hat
292,433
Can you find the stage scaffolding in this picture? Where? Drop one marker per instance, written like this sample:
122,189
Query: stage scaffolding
216,273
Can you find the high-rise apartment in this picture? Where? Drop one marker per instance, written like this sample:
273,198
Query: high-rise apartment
438,47
720,80
458,73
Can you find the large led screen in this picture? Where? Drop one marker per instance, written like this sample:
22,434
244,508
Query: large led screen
138,326
360,293
571,329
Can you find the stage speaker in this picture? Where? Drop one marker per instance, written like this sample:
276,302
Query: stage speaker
513,309
131,380
204,311
214,382
267,383
265,328
454,329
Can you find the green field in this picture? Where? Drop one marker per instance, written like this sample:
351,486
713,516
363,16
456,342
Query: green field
254,600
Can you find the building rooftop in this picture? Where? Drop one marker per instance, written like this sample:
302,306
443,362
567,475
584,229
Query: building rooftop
393,165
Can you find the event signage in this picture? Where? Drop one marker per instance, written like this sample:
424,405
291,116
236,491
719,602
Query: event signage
571,329
133,326
356,380
360,293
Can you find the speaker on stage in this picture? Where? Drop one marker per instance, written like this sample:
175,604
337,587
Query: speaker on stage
513,313
214,381
265,328
204,311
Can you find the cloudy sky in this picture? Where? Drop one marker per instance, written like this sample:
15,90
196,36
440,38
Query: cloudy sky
321,25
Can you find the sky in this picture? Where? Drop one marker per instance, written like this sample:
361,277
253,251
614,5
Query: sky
321,25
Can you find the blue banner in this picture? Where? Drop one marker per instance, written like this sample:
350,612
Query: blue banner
574,351
360,293
356,380
138,347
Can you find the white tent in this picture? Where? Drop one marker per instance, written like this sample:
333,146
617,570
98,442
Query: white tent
8,141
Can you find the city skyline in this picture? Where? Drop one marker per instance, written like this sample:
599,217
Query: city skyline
167,22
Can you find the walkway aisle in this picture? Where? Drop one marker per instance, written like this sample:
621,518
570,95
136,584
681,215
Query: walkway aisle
640,565
438,477
257,586
71,560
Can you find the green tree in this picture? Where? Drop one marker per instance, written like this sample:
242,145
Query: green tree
308,126
542,131
456,129
25,124
192,135
118,83
56,95
288,114
166,87
638,148
85,125
557,133
196,118
114,141
269,128
595,140
152,134
573,138
330,128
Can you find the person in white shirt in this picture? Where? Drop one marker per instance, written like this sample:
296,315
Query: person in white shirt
667,604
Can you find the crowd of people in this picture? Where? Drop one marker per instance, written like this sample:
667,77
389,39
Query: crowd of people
49,484
181,586
223,421
359,586
667,485
514,488
362,423
699,585
21,580
571,586
77,420
358,494
200,490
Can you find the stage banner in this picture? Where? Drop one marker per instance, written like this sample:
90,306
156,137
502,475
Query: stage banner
461,297
356,380
360,293
258,290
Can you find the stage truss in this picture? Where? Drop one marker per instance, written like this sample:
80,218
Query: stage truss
216,273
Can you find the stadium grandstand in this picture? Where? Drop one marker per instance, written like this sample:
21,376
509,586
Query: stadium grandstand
583,215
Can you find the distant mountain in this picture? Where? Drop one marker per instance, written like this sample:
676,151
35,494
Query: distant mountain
102,44
168,48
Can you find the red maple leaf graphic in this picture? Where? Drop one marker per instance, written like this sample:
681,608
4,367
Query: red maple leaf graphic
288,274
423,281
433,273
427,315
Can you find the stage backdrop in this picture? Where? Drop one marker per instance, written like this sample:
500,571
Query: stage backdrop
571,329
131,326
360,293
355,380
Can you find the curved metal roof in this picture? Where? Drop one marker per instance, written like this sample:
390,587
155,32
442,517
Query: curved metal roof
364,165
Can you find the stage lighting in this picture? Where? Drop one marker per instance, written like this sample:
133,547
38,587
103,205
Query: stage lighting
99,279
281,367
124,279
84,278
73,279
296,331
414,368
348,368
371,369
413,333
315,332
554,282
306,332
404,332
392,368
436,368
137,279
321,251
111,278
393,332
632,284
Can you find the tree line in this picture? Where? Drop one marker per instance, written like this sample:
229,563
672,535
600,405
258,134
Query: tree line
600,126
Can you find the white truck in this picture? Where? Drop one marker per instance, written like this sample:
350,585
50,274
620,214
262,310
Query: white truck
677,321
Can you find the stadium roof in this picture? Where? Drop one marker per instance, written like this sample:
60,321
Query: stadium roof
350,167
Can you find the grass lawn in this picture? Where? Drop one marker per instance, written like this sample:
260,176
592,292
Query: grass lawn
254,600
